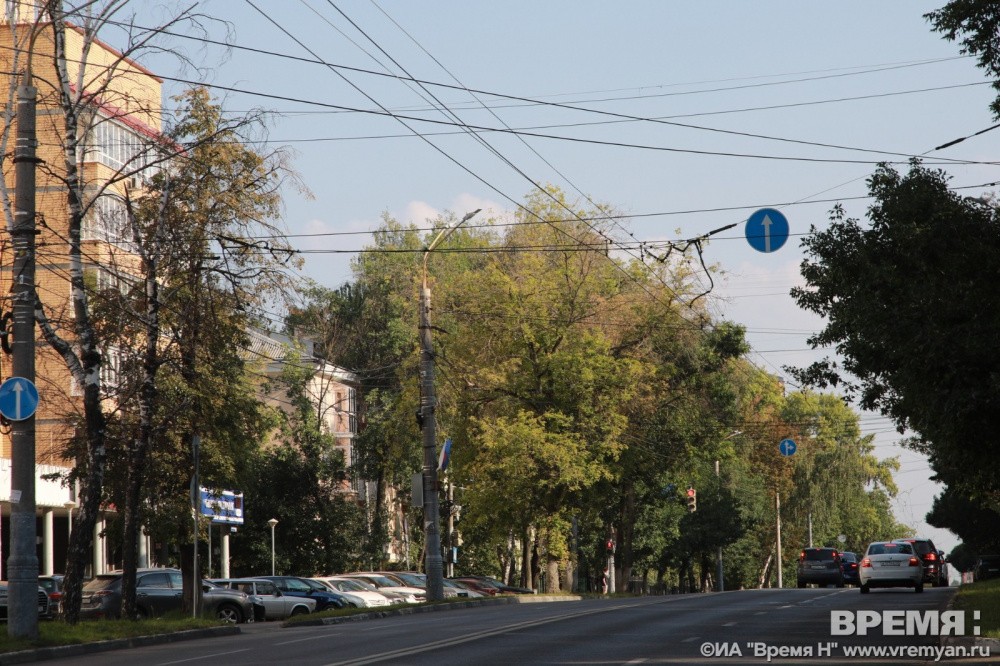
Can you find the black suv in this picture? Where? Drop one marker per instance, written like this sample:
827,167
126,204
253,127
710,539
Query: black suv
932,559
820,566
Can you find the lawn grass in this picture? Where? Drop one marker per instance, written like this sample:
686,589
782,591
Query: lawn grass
57,632
983,596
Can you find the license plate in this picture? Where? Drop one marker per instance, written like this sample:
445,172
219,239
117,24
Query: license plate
890,564
818,566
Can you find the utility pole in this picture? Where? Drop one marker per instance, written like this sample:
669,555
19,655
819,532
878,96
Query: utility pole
428,405
22,566
722,584
777,510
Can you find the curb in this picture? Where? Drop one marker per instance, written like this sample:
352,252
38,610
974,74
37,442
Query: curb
63,651
471,603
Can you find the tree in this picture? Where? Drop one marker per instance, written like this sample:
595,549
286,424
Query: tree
978,25
913,312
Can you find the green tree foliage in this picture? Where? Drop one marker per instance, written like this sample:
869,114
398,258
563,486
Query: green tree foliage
913,311
977,24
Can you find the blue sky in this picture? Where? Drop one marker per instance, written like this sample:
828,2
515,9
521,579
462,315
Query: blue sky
867,79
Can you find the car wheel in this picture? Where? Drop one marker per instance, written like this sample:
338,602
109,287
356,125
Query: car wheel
141,613
840,583
229,614
919,587
865,589
299,610
801,584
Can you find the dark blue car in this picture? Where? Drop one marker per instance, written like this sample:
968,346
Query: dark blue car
303,587
849,565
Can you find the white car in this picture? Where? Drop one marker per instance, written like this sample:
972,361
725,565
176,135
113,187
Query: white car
362,595
390,588
891,564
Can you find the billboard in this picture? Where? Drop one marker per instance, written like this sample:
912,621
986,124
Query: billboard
222,506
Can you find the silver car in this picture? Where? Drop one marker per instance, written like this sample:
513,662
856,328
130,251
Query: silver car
277,605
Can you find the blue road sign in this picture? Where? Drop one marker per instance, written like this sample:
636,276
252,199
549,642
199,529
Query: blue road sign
787,447
767,230
18,399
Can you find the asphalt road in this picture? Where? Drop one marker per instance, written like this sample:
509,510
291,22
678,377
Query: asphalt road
648,630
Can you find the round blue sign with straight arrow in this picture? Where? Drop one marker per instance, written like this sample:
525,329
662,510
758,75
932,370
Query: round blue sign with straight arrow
787,447
767,230
18,399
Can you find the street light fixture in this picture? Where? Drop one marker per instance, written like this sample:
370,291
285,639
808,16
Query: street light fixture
272,523
69,509
433,567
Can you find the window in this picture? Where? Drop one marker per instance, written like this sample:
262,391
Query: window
154,580
108,221
116,146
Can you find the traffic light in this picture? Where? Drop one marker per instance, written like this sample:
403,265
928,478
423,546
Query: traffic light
692,498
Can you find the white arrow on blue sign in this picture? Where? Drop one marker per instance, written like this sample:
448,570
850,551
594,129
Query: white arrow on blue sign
18,399
767,230
787,447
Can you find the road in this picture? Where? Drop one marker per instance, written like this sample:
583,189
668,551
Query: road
646,630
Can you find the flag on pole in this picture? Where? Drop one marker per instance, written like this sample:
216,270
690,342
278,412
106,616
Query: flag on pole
445,456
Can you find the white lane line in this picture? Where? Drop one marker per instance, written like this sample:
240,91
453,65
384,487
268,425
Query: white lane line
641,660
206,656
730,624
761,613
692,638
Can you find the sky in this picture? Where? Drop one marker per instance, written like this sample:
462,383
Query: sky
782,104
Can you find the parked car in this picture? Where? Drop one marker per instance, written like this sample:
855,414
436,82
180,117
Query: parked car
821,566
53,586
361,594
391,588
326,599
503,588
987,566
45,609
481,586
270,603
419,580
160,591
849,568
931,558
891,564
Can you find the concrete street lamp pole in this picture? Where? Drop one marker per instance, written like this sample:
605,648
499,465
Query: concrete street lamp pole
272,523
433,567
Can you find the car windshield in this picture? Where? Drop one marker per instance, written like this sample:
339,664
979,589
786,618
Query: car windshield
819,554
890,548
101,583
345,584
413,580
316,585
921,547
381,581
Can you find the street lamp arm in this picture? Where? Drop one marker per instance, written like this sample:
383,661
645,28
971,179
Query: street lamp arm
442,235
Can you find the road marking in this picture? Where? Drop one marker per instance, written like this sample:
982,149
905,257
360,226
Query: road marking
207,656
730,624
692,638
641,660
761,613
448,642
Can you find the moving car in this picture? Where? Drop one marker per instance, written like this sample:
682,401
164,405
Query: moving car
160,591
820,566
932,560
849,567
891,564
273,604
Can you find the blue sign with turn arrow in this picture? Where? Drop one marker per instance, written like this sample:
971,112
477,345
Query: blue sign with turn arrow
787,447
18,399
767,230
